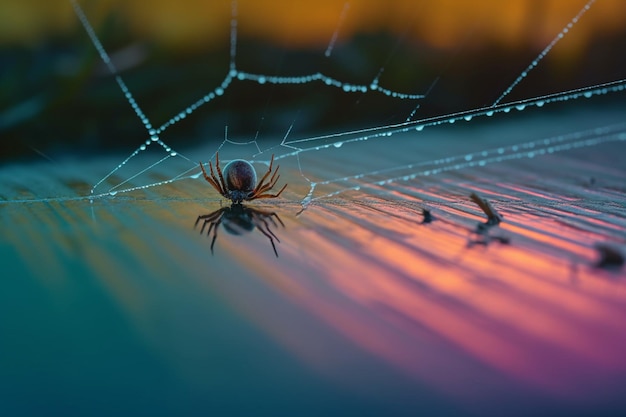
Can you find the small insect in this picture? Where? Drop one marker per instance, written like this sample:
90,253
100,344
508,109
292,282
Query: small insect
238,181
238,219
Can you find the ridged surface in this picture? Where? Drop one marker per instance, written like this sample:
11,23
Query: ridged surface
366,308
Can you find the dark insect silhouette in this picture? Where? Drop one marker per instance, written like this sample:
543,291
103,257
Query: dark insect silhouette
238,219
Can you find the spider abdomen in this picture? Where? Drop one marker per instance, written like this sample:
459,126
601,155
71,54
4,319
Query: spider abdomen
240,176
238,180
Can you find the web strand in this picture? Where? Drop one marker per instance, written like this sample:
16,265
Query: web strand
233,75
339,139
333,40
545,52
295,147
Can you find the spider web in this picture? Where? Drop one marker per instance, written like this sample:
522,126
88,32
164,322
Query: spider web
132,173
364,180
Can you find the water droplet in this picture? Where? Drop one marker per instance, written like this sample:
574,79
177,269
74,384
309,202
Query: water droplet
337,144
112,192
468,117
489,113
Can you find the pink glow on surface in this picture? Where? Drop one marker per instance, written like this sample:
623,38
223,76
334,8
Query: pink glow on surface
417,297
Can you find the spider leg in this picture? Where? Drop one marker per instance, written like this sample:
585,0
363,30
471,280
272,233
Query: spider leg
262,188
268,186
211,180
204,225
273,182
219,172
269,170
268,233
254,197
264,220
196,223
211,225
219,181
216,224
207,219
270,215
213,219
274,215
274,178
261,183
263,225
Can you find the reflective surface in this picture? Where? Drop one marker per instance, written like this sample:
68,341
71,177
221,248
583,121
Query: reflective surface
368,310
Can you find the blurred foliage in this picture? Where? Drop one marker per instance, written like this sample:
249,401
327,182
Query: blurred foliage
56,97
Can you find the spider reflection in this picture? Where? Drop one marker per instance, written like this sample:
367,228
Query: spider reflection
238,219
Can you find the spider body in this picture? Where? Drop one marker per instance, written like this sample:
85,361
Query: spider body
240,178
238,181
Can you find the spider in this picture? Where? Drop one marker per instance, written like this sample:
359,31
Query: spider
237,182
238,219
